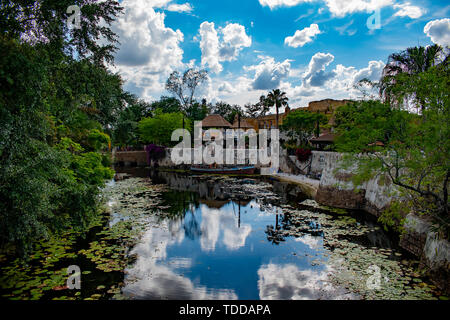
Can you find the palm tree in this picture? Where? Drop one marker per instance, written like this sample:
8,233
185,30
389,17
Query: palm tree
410,61
263,105
279,99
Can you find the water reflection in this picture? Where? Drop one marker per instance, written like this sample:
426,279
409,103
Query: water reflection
214,250
288,282
227,240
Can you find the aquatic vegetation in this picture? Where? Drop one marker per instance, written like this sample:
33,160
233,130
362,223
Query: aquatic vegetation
44,275
351,262
135,204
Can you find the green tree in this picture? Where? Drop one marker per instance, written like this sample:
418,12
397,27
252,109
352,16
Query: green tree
414,154
411,61
184,86
302,124
159,129
53,116
126,130
227,111
167,105
278,99
258,109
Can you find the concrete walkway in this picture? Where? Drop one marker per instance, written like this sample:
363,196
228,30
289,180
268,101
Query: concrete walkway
309,186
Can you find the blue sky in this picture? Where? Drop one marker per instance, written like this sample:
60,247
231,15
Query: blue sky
312,49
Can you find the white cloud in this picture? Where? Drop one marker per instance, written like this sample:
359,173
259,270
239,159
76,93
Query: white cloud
214,222
149,50
185,7
214,51
209,44
302,37
156,3
408,10
268,73
345,29
226,87
234,40
340,8
336,84
151,278
315,75
372,72
281,3
439,31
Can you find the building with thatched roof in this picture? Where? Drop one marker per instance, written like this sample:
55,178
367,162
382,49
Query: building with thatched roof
324,140
215,121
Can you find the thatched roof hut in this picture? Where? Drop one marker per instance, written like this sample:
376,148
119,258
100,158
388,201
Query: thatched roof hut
215,121
325,138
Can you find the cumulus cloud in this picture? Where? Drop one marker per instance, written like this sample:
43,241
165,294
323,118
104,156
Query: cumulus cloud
408,10
149,50
302,37
185,7
315,75
338,85
226,87
157,3
281,3
214,51
439,31
372,72
268,73
234,40
209,44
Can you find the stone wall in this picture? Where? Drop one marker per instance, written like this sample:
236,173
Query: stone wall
375,196
327,105
336,188
434,253
130,158
139,158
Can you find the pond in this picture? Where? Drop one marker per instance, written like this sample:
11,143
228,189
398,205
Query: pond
167,235
244,238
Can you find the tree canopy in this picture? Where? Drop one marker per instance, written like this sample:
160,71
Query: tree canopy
303,124
159,129
58,104
411,149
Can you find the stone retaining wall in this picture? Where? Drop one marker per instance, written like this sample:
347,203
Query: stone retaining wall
375,196
130,158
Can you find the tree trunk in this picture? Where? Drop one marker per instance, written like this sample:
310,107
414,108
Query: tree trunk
276,107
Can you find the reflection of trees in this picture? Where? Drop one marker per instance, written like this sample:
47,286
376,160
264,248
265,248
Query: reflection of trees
274,234
191,226
284,223
180,202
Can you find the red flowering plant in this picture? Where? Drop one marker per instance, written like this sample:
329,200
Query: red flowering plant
154,152
303,154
